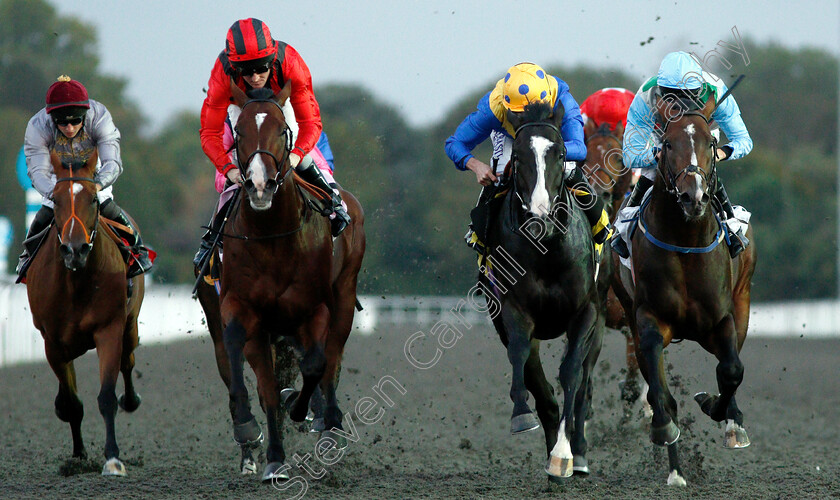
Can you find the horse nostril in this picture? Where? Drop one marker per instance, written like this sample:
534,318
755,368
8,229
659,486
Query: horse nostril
85,250
64,249
704,199
248,185
685,198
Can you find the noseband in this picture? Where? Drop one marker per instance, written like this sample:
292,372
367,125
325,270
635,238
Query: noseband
671,179
89,238
278,165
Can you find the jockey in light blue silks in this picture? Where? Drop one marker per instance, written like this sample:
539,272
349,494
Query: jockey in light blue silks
524,83
680,77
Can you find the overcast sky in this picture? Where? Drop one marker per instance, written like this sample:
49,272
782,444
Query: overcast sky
423,56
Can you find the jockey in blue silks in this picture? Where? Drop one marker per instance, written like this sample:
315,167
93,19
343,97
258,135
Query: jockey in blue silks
524,83
680,77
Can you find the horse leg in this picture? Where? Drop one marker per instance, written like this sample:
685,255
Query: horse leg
519,327
312,365
730,372
68,406
630,390
329,384
663,430
246,431
544,400
130,400
109,345
583,403
580,334
258,353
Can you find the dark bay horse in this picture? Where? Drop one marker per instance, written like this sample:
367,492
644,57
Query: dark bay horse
604,169
77,291
686,285
283,278
543,236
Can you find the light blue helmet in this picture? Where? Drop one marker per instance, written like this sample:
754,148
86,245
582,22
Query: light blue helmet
680,71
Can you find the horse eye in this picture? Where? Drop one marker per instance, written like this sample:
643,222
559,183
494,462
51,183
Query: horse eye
666,144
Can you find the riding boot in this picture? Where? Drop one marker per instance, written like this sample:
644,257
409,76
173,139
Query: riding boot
141,262
737,241
617,243
207,238
312,174
42,219
592,205
472,238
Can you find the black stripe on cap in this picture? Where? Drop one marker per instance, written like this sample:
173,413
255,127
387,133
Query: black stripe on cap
238,39
258,31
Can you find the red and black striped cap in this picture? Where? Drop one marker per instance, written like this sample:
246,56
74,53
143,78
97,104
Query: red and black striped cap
249,39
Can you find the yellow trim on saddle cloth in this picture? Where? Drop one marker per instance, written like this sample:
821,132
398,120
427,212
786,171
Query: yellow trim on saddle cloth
208,277
497,98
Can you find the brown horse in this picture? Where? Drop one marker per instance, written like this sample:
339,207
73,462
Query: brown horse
606,173
283,278
686,285
77,292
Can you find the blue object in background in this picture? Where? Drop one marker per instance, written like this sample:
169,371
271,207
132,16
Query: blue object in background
23,177
323,145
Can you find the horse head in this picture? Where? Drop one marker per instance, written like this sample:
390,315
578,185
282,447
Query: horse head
687,161
538,156
604,167
263,143
76,209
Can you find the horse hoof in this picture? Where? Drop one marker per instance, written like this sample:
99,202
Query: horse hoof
276,471
288,397
735,436
340,441
131,405
675,479
707,403
248,467
248,433
317,425
113,467
559,467
523,423
665,435
580,466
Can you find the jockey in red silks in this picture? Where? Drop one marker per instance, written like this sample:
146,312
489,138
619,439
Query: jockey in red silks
253,59
608,106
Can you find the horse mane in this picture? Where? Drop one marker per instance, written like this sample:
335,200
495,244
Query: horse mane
537,111
261,93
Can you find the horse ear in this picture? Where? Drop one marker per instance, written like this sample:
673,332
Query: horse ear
619,130
559,113
589,128
239,97
514,119
285,93
709,107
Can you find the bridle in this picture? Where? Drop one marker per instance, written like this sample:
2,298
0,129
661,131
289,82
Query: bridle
671,179
604,131
515,159
280,177
89,237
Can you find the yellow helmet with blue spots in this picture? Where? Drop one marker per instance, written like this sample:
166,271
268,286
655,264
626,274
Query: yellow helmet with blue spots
524,83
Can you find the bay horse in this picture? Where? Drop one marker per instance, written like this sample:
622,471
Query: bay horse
542,234
283,278
686,285
604,169
77,290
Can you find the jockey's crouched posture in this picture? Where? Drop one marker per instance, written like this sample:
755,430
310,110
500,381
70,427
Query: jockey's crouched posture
73,126
252,59
680,79
523,83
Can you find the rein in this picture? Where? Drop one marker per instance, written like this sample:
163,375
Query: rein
719,237
221,233
89,237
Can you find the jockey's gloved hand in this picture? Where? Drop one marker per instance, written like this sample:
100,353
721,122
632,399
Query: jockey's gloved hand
294,159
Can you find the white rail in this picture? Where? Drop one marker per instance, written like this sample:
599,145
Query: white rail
169,313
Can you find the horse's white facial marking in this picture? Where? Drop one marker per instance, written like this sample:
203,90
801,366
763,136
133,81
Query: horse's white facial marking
257,172
699,182
260,118
540,204
689,129
76,189
563,448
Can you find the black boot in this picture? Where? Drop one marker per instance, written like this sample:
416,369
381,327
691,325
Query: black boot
592,205
140,262
737,241
312,174
617,243
216,223
480,219
43,218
